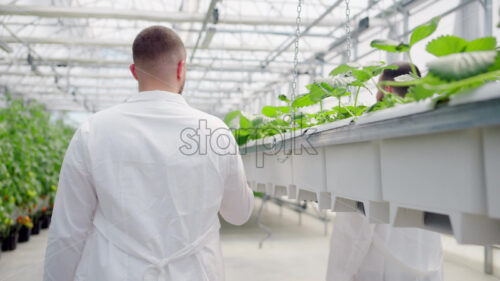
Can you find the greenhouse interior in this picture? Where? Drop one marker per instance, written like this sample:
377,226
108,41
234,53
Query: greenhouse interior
263,140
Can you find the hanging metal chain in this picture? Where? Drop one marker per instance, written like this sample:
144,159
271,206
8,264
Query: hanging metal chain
348,30
296,54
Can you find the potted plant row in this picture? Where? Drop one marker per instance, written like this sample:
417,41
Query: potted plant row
32,148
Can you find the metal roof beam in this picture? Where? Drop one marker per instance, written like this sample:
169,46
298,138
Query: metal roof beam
145,15
124,63
125,44
77,76
176,28
110,90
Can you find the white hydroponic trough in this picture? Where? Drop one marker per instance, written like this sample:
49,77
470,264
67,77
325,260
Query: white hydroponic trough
411,166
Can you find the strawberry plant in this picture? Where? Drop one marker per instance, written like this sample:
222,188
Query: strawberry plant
459,65
421,32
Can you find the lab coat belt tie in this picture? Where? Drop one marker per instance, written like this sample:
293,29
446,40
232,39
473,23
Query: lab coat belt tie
158,268
161,265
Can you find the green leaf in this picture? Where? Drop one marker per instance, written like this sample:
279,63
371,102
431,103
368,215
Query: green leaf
231,116
462,65
343,68
358,84
338,81
327,87
404,78
423,31
496,65
432,80
302,101
257,121
317,93
390,46
339,92
419,92
377,71
446,45
389,100
274,111
241,136
362,75
283,98
298,116
244,121
482,44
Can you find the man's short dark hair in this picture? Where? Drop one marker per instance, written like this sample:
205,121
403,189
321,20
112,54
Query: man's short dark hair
390,74
155,44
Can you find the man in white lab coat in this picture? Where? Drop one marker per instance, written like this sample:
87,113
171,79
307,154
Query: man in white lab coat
142,182
361,251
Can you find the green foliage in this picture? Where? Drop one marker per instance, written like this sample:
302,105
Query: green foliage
496,64
330,87
405,78
390,46
343,68
423,31
446,45
355,74
389,101
318,92
462,65
303,101
419,92
283,98
231,116
482,44
274,111
31,152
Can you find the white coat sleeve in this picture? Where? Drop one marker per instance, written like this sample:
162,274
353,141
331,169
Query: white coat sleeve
73,212
238,200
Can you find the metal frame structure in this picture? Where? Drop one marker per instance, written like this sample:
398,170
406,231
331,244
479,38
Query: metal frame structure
74,54
64,52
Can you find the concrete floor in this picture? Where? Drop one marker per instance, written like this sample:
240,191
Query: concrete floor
294,252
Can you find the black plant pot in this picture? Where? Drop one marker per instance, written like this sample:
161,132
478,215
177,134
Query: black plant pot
9,243
24,234
46,221
37,225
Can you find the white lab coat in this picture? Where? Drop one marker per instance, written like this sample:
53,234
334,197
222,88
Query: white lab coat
133,205
361,251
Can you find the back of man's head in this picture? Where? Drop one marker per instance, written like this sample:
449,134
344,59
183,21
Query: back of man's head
390,74
157,52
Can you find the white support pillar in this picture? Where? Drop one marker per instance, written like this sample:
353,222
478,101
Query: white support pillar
488,17
467,24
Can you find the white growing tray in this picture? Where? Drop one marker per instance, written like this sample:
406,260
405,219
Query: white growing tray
441,173
433,169
352,175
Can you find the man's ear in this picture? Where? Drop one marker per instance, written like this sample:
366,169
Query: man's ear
132,69
389,89
181,65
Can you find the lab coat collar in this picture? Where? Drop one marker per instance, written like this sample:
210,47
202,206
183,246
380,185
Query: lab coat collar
157,96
